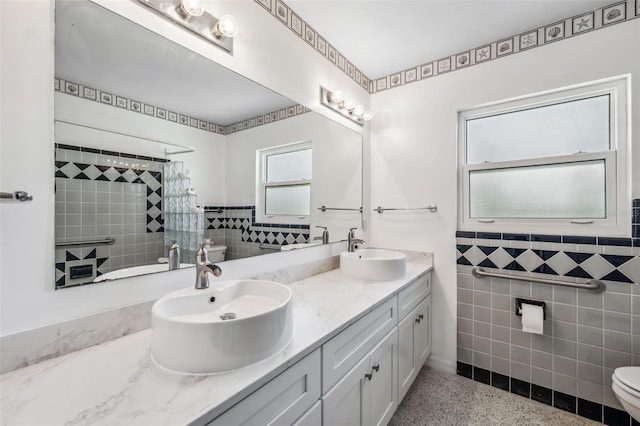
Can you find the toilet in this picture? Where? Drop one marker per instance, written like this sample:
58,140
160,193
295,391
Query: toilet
626,386
216,253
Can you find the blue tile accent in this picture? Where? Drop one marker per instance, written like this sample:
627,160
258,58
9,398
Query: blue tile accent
489,235
564,402
616,260
572,239
607,241
487,250
578,272
616,275
578,257
515,266
636,203
590,410
516,237
487,264
514,252
463,261
465,234
462,248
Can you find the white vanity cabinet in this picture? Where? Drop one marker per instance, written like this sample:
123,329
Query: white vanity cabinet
414,331
358,377
368,393
284,400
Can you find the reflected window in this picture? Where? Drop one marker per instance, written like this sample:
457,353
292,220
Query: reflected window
285,174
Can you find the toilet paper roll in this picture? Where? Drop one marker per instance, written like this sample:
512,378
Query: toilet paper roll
532,318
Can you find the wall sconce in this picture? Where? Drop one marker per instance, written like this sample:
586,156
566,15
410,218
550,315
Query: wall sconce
191,15
345,106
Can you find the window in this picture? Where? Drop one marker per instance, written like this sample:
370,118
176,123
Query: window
284,184
550,163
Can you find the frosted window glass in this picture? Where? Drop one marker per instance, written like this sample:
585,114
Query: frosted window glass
289,166
288,200
561,191
547,131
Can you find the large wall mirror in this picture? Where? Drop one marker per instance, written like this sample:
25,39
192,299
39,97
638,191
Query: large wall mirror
156,145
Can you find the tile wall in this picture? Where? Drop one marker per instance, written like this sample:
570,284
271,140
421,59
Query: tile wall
104,194
586,335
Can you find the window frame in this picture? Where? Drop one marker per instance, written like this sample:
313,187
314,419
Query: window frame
617,163
262,184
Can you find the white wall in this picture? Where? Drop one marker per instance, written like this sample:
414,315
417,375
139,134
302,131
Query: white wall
413,146
264,52
337,167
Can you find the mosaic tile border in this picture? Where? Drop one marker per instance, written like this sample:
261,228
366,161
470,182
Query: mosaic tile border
254,232
111,153
605,258
287,17
561,30
570,403
117,101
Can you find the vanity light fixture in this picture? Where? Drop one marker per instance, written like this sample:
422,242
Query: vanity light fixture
345,106
191,15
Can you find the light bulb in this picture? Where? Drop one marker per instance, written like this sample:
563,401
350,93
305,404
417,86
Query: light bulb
349,104
358,110
336,97
366,116
227,26
190,8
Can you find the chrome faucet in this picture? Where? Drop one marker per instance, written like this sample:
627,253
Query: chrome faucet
324,237
352,241
204,267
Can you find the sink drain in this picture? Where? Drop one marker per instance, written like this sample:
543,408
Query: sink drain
228,316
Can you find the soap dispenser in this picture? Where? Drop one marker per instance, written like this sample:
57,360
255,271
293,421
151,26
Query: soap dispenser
174,256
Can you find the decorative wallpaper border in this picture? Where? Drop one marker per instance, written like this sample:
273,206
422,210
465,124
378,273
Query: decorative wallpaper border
583,23
304,31
117,101
254,232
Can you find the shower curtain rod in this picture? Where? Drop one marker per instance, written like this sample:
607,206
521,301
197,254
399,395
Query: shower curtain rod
185,149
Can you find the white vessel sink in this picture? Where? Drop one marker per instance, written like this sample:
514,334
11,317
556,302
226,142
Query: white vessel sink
195,331
374,264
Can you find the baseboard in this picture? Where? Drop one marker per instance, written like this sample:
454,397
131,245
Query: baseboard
441,364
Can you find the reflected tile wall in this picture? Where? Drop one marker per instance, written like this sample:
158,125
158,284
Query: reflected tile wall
99,195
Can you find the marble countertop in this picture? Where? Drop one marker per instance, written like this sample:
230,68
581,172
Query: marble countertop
117,383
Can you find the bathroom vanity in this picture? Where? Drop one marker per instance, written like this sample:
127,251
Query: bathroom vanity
357,346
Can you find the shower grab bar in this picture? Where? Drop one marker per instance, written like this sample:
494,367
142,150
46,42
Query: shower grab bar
269,246
595,285
15,196
107,241
325,208
431,207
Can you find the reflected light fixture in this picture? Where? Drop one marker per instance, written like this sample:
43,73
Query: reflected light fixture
191,15
345,106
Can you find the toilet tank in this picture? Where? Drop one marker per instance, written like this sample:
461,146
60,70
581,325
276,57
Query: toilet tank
216,253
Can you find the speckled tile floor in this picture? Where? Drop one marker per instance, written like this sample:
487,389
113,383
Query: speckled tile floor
438,398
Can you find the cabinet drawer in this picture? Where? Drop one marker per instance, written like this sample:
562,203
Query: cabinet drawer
412,295
281,401
340,354
313,416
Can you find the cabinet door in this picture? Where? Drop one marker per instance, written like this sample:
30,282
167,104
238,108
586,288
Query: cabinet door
344,404
282,400
422,333
313,416
383,386
406,353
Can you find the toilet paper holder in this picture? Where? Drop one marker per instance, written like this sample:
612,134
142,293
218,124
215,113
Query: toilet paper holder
520,301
